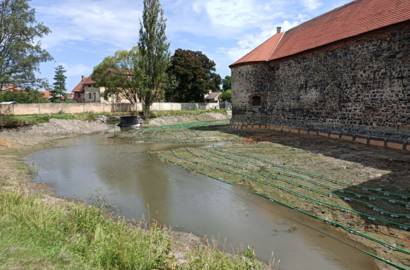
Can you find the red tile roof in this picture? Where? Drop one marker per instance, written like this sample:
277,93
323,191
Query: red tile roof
355,18
46,94
84,81
263,51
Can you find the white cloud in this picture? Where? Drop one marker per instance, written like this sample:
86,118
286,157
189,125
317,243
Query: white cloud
239,14
249,42
312,4
94,21
77,70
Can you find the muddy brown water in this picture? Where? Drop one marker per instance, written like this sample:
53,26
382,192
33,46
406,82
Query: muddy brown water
139,186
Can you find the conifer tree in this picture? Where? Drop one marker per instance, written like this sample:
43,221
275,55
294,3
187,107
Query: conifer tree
58,92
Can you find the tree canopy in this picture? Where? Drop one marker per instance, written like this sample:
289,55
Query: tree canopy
193,75
154,55
227,83
119,75
20,48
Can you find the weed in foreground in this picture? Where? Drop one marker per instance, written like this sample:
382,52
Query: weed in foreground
37,235
77,235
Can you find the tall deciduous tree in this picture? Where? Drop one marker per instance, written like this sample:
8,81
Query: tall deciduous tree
58,91
154,55
193,74
20,48
116,73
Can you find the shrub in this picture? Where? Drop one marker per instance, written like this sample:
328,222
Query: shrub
27,96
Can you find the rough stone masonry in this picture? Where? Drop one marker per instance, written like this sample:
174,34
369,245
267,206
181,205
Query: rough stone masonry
357,88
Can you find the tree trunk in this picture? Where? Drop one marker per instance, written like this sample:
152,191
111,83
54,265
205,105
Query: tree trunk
146,109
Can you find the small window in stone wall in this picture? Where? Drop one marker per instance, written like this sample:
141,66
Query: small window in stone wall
256,101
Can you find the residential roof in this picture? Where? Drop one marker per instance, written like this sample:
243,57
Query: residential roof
11,87
350,20
46,94
84,81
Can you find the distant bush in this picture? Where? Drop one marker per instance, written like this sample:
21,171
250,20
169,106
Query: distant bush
226,95
27,96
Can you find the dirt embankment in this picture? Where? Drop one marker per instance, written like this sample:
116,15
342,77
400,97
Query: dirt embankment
171,120
16,143
54,129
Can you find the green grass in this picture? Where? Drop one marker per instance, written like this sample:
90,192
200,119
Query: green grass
209,259
13,121
37,235
185,112
75,235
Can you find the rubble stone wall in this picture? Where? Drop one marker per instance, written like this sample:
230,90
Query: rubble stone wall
359,86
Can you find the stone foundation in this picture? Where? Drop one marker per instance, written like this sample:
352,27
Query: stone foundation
377,142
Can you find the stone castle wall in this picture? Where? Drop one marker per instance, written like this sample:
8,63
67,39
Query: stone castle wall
359,87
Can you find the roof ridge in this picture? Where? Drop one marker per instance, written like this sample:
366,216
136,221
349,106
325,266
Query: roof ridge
277,45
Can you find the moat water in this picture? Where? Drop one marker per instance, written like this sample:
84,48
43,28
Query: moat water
137,185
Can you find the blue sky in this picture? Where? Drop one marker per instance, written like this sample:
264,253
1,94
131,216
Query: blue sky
86,31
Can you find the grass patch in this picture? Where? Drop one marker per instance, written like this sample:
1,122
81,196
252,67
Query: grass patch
209,259
75,235
37,235
14,121
185,112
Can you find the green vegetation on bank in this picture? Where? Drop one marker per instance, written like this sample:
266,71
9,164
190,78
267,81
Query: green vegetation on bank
13,121
155,114
35,234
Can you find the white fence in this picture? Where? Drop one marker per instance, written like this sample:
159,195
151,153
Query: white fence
50,108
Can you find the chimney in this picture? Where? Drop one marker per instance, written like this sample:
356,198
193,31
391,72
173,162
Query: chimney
82,77
279,29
